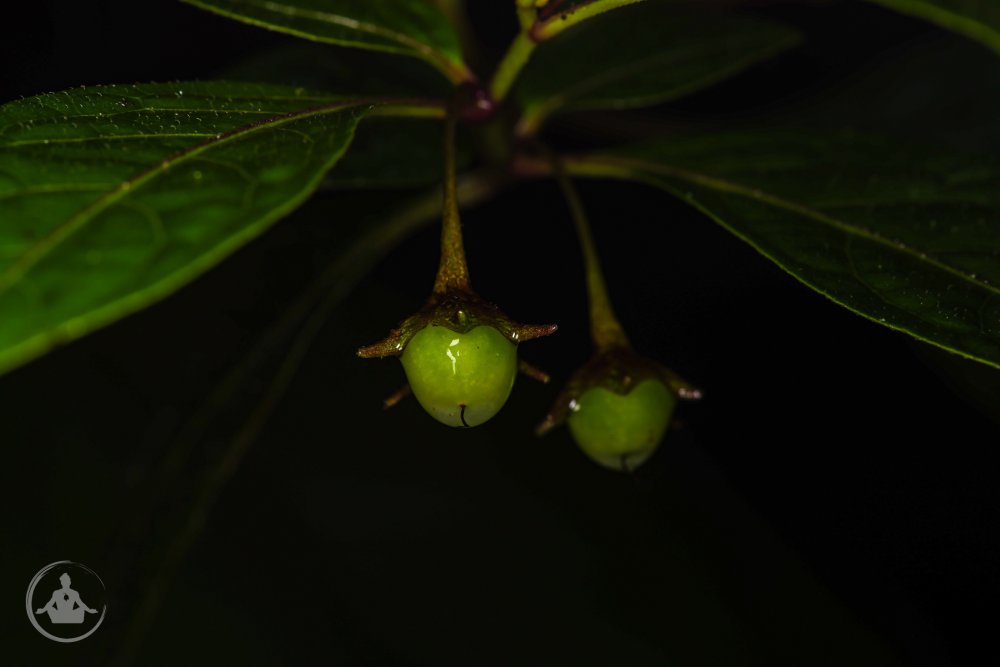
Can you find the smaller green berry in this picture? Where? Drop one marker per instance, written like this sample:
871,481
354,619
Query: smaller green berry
621,431
618,407
461,379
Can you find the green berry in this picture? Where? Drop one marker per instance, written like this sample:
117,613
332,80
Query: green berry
621,431
461,379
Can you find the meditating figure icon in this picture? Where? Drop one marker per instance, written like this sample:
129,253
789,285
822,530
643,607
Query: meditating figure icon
65,606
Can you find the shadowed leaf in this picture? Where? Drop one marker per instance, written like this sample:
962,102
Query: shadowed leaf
395,153
642,55
906,238
347,71
976,19
413,28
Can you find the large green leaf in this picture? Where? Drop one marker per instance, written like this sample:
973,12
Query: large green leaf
414,28
907,238
642,55
113,197
976,19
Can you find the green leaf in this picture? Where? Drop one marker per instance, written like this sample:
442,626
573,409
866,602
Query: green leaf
349,72
394,153
976,19
904,237
391,152
642,55
413,28
945,105
113,197
386,152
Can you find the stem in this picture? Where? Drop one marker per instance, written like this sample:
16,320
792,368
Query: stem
403,109
510,66
314,306
553,25
526,13
605,329
457,73
453,271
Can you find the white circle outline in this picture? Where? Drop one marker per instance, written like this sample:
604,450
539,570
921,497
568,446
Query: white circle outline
31,589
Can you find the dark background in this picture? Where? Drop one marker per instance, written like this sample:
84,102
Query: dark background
831,501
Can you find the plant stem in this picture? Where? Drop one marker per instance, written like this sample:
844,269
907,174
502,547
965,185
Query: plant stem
308,312
526,13
511,64
605,329
553,25
535,30
453,271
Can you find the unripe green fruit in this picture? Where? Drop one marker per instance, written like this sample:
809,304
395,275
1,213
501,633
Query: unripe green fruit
461,379
621,431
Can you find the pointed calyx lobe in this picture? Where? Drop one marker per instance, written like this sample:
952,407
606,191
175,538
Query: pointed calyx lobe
618,370
619,404
460,311
453,303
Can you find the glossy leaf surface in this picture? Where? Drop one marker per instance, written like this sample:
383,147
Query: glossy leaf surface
408,27
907,238
643,55
113,197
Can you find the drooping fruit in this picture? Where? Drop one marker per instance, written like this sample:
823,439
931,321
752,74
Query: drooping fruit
618,407
621,431
461,379
459,351
460,356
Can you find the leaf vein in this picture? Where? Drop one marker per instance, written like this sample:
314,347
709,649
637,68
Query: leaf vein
13,273
730,187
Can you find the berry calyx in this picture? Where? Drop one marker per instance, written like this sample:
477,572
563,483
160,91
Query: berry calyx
618,407
619,404
459,351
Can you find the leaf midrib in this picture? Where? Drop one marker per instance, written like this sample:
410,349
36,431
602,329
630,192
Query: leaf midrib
108,137
636,167
569,97
32,255
420,48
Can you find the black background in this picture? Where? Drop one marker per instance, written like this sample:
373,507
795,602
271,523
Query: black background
831,501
